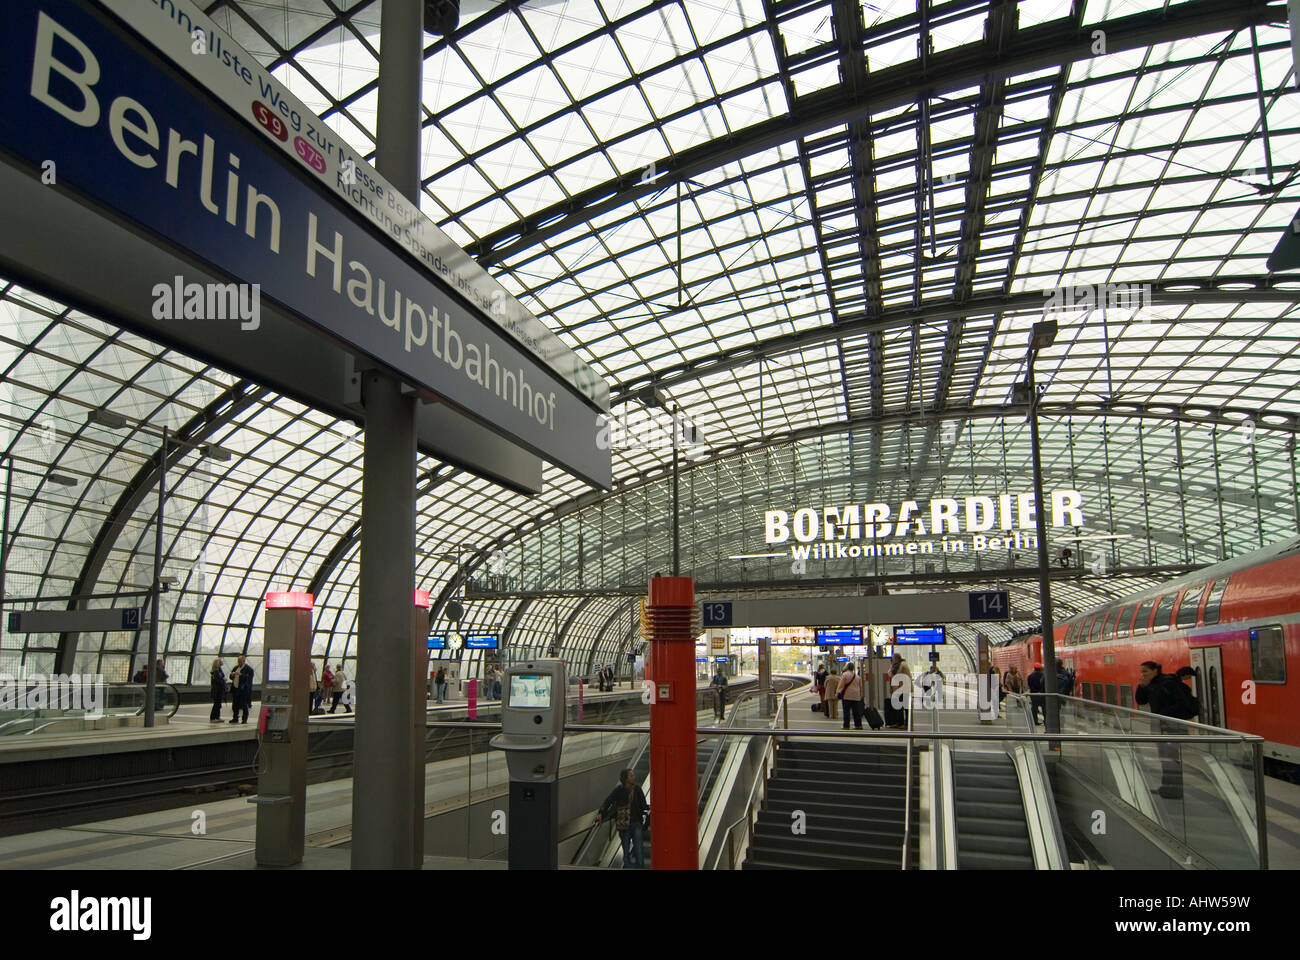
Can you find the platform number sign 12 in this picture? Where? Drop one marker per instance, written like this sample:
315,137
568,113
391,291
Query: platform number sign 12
989,605
717,614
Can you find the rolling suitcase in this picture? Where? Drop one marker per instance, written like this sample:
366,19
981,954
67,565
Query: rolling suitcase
816,708
874,719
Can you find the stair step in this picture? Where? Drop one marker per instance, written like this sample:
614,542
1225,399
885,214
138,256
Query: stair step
991,826
988,794
993,861
977,843
835,829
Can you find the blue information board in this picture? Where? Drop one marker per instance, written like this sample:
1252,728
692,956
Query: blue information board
922,635
481,641
437,641
838,637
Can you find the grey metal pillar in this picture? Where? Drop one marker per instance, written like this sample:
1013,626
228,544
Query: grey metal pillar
1053,722
388,799
155,599
764,673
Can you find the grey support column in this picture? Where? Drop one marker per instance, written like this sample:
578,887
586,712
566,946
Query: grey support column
388,794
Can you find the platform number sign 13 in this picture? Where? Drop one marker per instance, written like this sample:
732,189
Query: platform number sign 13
989,605
717,614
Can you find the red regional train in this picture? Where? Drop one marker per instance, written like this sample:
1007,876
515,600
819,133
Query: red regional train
1237,624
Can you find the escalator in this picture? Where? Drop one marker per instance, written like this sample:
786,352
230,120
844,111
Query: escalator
991,829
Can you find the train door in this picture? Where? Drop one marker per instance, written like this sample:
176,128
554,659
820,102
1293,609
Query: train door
1208,664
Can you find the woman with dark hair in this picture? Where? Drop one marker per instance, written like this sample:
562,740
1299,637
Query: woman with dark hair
218,690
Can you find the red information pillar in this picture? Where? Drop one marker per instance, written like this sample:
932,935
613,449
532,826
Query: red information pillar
674,844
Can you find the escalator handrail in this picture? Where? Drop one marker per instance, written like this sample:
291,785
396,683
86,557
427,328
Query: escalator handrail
907,795
759,778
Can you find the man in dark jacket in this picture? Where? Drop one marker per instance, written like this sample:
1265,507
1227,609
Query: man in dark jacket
719,687
1167,696
241,690
1037,684
628,805
1064,679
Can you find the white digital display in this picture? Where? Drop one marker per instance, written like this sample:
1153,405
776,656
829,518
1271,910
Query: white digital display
277,665
530,690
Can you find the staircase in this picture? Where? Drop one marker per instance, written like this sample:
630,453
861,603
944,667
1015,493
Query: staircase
991,831
852,796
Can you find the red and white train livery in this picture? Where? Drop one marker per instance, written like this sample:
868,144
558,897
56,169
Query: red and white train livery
1236,623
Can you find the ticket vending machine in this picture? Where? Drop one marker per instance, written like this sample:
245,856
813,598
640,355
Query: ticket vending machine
282,730
532,734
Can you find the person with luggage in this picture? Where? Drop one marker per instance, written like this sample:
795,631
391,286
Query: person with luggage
831,704
849,692
630,809
819,685
899,692
340,685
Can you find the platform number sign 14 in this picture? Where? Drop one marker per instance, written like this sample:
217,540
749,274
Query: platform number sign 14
717,614
989,605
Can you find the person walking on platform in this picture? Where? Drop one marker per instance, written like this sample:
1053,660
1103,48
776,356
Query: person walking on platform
848,690
1012,681
440,684
1167,696
831,702
312,686
340,684
326,684
628,805
719,687
159,678
819,685
1064,679
1037,684
932,683
898,692
241,689
218,690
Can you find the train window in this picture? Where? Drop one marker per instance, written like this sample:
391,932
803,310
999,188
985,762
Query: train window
1267,655
1126,696
1143,617
1125,618
1163,612
1216,598
1112,695
1187,607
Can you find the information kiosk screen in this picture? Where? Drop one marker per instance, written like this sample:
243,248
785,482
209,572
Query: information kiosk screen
530,691
277,665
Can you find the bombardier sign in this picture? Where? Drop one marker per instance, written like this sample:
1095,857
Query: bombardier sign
84,97
828,533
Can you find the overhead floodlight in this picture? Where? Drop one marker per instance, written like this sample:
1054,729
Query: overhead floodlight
61,480
215,452
651,397
441,17
1044,334
106,418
